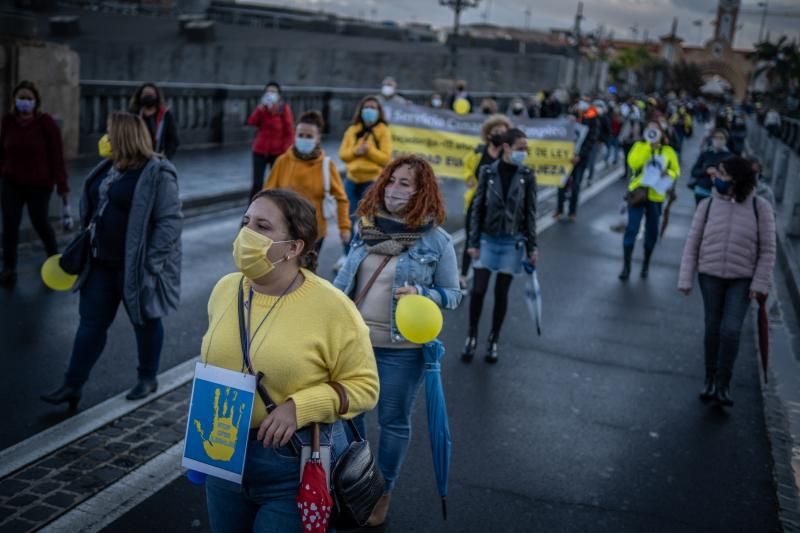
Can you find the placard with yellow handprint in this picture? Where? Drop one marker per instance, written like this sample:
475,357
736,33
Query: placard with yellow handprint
218,422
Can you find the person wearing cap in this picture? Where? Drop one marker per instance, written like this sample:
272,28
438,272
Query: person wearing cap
389,94
706,167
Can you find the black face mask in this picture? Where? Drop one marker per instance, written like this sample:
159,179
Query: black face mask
149,101
496,139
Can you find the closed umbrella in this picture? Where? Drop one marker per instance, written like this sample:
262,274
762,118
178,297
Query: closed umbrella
763,333
313,497
438,425
533,296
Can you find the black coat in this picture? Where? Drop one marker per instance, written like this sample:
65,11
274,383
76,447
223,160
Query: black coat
708,158
514,214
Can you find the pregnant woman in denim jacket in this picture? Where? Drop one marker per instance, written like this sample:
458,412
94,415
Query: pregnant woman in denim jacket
399,236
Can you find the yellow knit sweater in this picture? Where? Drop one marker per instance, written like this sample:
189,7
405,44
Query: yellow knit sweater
315,334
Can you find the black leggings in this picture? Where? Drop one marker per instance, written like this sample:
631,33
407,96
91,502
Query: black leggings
13,200
260,164
480,284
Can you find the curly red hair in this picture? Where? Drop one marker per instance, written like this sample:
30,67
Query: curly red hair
425,206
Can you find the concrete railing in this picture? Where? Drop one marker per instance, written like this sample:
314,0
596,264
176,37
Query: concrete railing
780,156
212,114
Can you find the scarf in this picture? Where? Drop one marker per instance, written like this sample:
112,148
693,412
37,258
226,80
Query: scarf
387,235
307,157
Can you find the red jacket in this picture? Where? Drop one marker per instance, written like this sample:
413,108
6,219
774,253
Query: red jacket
275,129
31,152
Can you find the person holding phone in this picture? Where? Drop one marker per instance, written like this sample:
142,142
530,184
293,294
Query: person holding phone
706,168
651,151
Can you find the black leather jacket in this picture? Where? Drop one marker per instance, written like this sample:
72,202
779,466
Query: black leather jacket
514,215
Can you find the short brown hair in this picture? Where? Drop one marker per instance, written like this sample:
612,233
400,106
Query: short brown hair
131,146
425,205
492,122
301,219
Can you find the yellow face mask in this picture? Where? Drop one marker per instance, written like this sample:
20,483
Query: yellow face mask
250,253
104,147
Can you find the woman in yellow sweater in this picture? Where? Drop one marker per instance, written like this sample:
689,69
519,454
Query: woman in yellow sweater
303,169
366,148
298,349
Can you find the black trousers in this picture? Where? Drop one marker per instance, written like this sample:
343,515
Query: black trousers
260,164
13,198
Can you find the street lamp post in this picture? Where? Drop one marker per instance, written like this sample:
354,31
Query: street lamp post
576,34
457,6
763,19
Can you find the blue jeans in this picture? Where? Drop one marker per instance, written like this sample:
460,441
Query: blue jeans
400,373
265,501
101,295
726,302
613,149
652,213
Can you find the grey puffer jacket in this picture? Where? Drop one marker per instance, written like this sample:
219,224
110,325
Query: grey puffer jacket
152,283
728,241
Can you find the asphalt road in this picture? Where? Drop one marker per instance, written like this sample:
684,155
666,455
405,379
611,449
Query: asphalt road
595,426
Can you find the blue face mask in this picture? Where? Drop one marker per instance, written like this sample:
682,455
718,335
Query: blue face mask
517,157
722,185
305,146
24,106
369,115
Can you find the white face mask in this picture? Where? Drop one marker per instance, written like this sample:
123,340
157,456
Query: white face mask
436,102
387,90
718,144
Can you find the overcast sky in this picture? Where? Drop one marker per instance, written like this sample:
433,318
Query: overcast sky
654,16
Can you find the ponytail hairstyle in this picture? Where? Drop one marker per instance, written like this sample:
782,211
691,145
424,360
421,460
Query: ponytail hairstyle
301,219
314,118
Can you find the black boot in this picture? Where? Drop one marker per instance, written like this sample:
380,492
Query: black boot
723,392
626,265
143,388
469,349
646,263
710,386
65,394
491,350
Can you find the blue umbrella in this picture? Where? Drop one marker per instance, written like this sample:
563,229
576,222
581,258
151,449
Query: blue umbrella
438,426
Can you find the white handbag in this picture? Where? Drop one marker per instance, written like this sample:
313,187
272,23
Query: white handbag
328,201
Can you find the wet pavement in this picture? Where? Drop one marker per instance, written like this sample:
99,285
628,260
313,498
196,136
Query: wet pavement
594,426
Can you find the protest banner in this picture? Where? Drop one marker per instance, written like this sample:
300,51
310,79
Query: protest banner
444,139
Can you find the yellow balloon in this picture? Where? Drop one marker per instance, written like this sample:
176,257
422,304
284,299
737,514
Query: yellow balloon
54,277
461,106
418,318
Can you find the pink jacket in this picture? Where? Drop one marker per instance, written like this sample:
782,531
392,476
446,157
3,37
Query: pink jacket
730,242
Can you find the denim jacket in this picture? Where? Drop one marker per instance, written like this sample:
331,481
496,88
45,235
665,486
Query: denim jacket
429,265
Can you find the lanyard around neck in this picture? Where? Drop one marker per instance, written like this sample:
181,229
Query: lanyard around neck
248,339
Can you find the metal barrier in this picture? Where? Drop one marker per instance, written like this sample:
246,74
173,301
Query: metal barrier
216,114
780,156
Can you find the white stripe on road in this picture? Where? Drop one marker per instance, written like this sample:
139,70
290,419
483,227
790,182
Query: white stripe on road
117,499
83,423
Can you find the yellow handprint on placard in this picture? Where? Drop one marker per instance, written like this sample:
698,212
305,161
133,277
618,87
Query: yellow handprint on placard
221,444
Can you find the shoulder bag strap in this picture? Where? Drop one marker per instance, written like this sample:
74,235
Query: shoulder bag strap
344,406
326,174
358,299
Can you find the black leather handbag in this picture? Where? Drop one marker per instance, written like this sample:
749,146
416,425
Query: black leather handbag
73,259
357,482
